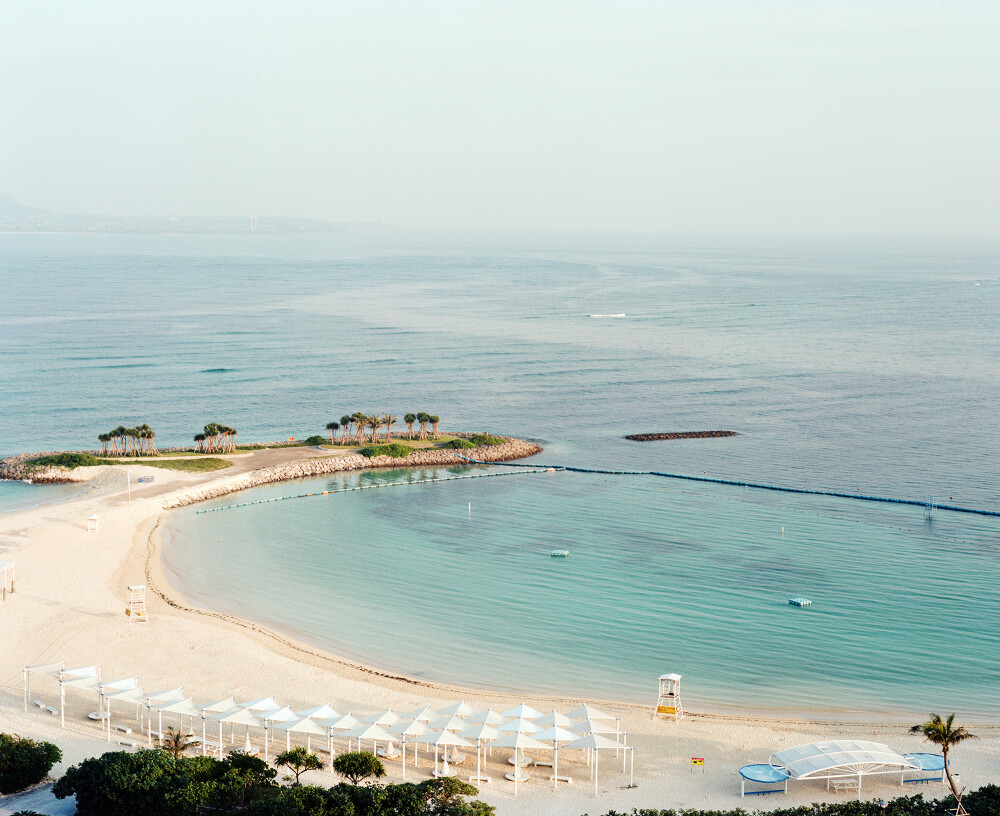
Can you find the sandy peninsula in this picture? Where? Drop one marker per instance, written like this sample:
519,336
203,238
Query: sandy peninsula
69,606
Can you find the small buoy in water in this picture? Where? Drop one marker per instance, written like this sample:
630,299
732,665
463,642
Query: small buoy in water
782,530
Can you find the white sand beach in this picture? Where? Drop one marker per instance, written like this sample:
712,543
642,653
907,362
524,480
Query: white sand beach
69,606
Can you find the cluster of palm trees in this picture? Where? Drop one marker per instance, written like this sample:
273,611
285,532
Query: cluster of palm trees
358,425
216,438
124,441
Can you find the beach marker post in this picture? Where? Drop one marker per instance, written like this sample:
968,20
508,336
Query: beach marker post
698,762
668,702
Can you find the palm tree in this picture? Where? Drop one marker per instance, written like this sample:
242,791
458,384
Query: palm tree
434,419
333,427
103,439
946,734
423,418
359,426
374,422
200,439
388,420
174,742
345,423
298,761
409,419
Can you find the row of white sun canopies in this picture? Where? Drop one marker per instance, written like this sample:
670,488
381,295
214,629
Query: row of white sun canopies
450,728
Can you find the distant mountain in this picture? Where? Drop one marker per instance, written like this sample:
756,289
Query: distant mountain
9,208
16,217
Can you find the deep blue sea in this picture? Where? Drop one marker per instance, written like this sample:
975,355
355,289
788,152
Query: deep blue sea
842,365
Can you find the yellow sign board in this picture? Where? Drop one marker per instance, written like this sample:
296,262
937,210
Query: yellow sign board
665,710
697,760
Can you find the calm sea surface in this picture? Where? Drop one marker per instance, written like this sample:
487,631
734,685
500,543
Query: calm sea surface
842,367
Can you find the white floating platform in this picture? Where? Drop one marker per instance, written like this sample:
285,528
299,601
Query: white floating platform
559,553
800,602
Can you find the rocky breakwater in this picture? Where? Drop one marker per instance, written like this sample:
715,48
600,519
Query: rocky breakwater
319,466
20,468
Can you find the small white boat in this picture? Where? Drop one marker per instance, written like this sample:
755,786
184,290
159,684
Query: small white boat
559,553
800,602
607,315
26,481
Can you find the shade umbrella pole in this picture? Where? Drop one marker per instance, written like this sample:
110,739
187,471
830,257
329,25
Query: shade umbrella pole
404,756
203,734
555,765
517,771
597,758
631,768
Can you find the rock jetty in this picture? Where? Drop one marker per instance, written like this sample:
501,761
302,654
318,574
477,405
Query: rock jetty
319,466
18,467
653,437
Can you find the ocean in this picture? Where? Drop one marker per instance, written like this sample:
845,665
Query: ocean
861,366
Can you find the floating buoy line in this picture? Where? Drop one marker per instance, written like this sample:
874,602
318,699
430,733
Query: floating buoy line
368,487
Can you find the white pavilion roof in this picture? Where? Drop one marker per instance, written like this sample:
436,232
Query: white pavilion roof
848,756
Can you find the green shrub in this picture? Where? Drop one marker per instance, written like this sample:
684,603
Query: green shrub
458,444
317,440
482,439
65,460
395,450
24,762
358,765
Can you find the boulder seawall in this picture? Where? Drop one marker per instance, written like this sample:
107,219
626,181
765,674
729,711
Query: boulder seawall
319,466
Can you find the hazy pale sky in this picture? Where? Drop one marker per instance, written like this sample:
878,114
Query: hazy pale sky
705,116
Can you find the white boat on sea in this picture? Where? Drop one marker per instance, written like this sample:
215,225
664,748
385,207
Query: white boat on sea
622,314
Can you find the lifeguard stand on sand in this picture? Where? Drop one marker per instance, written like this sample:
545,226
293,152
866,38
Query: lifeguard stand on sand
668,703
135,604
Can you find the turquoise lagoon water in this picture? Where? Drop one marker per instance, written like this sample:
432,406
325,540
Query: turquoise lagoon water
661,576
842,366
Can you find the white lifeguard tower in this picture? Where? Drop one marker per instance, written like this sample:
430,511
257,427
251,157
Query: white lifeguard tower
135,604
93,523
668,702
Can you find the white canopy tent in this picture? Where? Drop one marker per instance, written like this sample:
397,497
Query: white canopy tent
597,743
555,734
263,704
445,739
219,706
522,712
487,717
182,708
554,718
413,728
131,695
588,712
321,712
50,669
519,741
302,725
459,709
376,733
383,718
479,733
168,696
424,715
237,716
6,573
88,677
841,759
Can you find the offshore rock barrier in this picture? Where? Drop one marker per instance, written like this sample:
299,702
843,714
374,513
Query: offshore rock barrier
653,437
320,466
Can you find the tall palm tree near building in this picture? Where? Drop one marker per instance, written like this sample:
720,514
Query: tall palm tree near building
333,427
409,419
946,734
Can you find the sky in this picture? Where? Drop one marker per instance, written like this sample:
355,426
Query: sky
800,117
